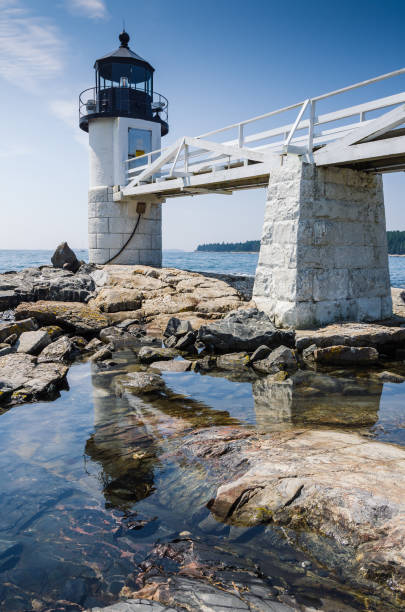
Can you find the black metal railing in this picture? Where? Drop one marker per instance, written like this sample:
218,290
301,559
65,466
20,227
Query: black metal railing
122,101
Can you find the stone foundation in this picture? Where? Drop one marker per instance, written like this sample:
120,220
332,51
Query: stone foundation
323,254
111,224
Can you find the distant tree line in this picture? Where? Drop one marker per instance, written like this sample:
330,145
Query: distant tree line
396,245
248,246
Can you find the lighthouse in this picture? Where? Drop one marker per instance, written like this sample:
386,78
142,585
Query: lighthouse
125,119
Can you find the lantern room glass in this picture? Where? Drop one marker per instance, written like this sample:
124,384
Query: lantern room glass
112,73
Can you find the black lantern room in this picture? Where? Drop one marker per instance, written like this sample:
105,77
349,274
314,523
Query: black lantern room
124,88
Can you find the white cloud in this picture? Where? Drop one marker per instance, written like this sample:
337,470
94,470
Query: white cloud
94,9
30,47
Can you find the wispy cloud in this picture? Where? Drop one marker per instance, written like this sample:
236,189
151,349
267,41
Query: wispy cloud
31,47
94,9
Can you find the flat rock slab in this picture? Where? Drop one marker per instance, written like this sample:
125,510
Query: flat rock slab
352,334
73,316
178,365
148,354
32,342
138,383
23,380
243,330
339,484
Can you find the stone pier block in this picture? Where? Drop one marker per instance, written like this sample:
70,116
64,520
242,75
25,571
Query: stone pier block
323,254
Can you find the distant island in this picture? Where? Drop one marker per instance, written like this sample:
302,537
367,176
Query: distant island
396,245
240,247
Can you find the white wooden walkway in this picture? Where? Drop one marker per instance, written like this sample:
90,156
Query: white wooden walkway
366,136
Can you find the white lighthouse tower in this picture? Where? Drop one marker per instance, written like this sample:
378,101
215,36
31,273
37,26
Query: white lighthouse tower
125,119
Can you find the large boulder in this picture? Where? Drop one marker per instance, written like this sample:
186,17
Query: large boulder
341,485
243,330
72,316
65,258
23,380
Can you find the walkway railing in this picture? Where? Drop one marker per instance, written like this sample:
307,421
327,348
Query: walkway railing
301,136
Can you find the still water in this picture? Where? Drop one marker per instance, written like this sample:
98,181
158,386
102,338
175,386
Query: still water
91,481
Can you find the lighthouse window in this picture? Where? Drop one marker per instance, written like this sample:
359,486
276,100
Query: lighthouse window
139,143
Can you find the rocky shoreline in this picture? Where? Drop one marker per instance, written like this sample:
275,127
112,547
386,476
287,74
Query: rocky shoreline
338,484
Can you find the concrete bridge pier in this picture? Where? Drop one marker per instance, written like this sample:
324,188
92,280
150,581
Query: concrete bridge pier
323,254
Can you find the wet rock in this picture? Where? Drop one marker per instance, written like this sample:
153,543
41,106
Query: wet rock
197,577
23,380
61,350
340,484
64,257
12,339
117,300
178,365
260,353
72,316
148,354
390,377
207,363
94,345
17,327
138,383
32,342
375,335
233,361
177,327
187,341
5,349
102,354
346,355
243,330
171,341
282,358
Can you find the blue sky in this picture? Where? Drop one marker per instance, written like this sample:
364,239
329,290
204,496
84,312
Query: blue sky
217,61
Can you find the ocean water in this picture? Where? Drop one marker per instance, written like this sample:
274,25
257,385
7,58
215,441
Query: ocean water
224,263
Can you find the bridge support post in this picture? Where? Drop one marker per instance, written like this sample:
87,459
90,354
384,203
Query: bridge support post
323,254
112,223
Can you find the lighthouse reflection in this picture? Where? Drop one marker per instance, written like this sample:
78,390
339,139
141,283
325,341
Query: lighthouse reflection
132,432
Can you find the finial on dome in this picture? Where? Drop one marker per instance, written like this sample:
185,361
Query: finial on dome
124,38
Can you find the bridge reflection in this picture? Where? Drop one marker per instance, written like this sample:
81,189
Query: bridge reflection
315,399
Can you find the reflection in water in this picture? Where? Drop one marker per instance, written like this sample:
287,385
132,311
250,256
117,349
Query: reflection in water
96,480
312,398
